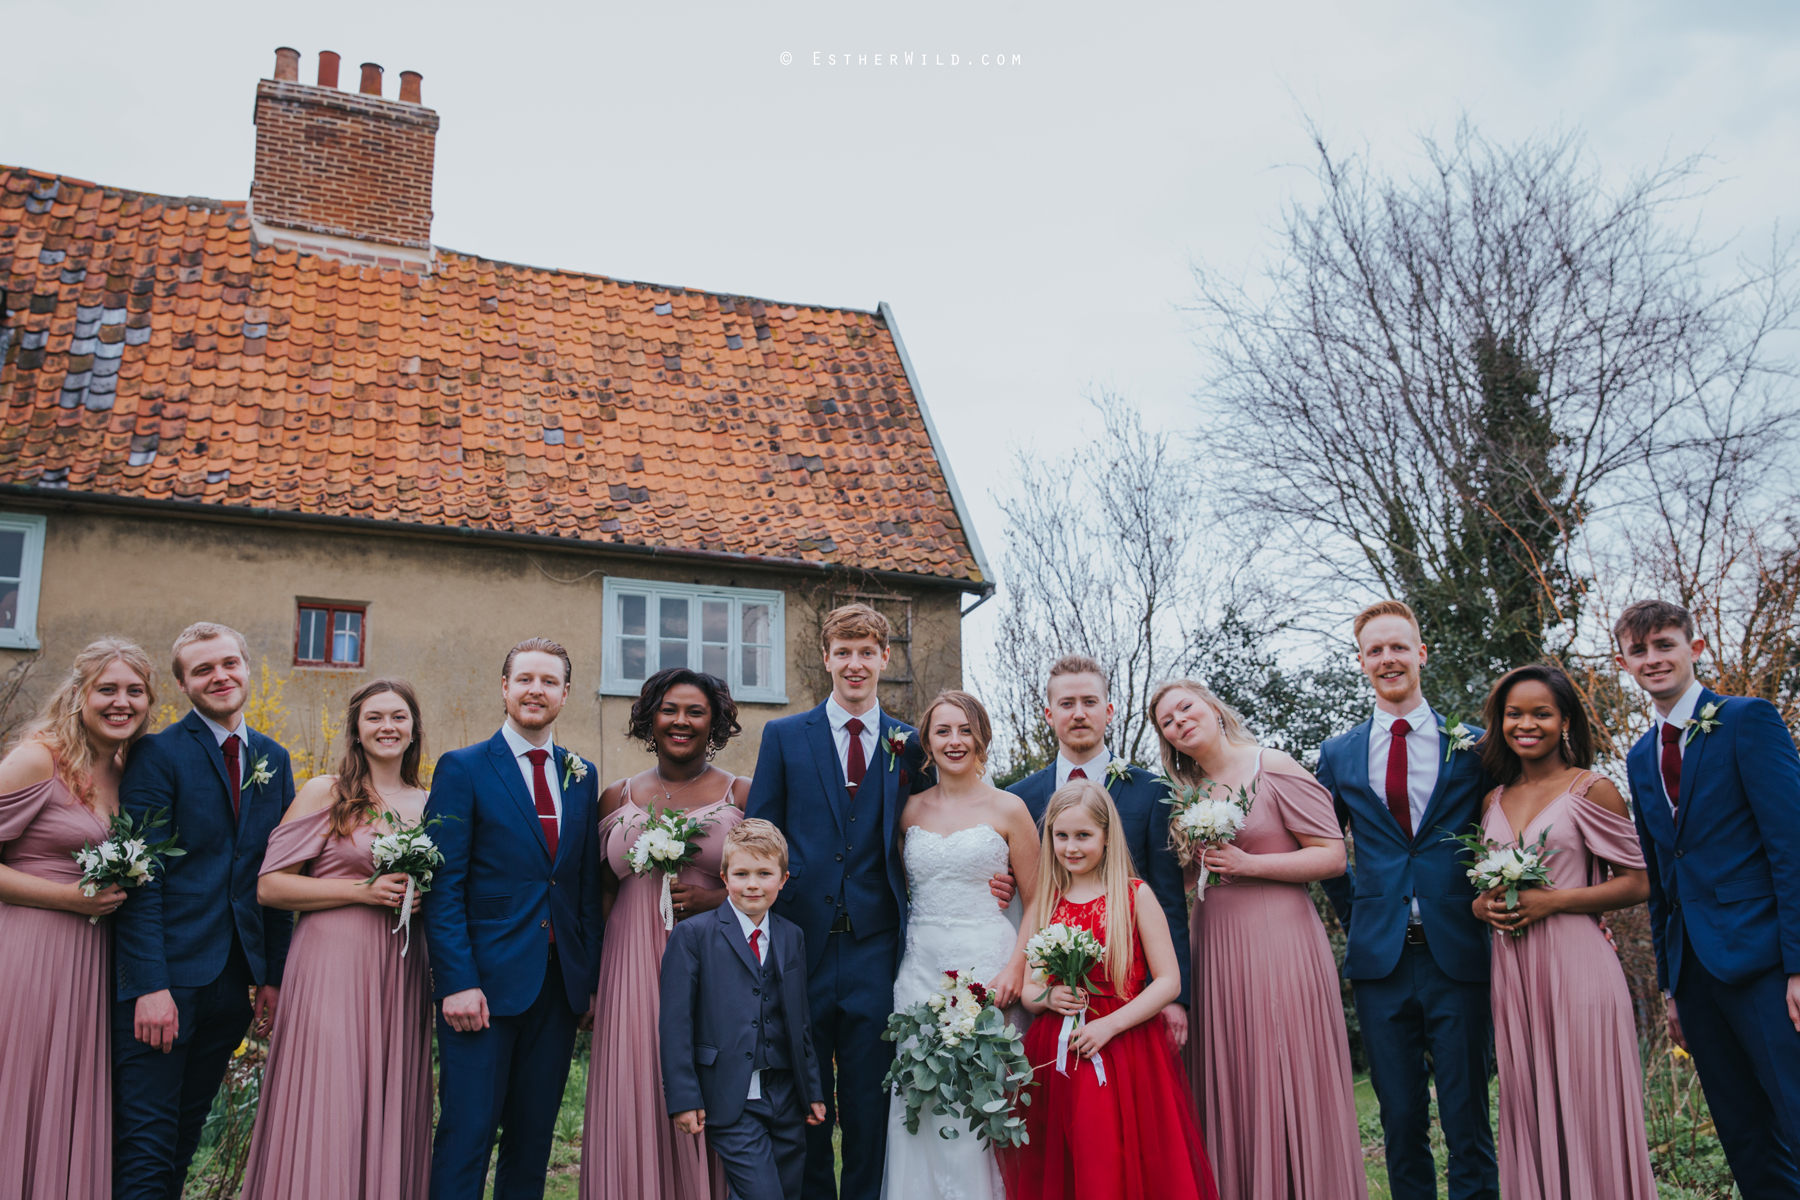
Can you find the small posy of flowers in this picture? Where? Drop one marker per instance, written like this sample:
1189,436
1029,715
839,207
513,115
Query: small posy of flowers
1064,954
670,839
407,849
575,769
260,773
895,741
1457,736
1705,721
958,1054
1202,820
1116,770
1514,867
127,857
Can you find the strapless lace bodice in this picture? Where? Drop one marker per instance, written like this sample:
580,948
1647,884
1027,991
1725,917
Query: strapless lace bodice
947,875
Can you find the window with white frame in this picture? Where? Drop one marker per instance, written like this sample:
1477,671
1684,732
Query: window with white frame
21,569
733,633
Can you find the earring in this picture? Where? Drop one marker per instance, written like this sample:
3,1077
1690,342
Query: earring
1568,746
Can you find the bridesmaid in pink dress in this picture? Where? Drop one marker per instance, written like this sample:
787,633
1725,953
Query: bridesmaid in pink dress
1267,1050
59,789
631,1149
345,1110
1571,1084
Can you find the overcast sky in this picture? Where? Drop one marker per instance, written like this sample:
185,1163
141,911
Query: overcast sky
1032,224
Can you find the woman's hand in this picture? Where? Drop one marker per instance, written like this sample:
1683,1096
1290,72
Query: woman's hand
1067,1000
1004,988
1534,905
1089,1039
389,891
690,899
1228,860
102,903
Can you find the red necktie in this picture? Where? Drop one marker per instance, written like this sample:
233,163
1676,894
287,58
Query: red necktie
1398,803
858,765
755,935
1078,773
1671,763
234,771
540,787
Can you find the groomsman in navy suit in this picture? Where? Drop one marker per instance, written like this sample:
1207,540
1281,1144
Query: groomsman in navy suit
1079,711
1417,957
1715,788
513,925
188,947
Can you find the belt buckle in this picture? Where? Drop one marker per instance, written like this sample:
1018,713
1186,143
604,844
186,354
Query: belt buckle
841,924
1415,935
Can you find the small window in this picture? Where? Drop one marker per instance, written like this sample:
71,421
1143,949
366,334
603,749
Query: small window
330,635
733,633
21,569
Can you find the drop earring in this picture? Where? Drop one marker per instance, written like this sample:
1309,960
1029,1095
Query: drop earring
1568,746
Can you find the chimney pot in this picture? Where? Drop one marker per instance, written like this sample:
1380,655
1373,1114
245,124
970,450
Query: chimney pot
409,87
371,79
287,63
328,68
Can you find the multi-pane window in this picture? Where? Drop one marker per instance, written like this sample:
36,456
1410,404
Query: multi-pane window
733,633
21,567
329,635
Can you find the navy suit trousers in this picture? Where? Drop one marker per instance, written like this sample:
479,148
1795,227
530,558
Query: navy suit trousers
848,1017
1415,1011
510,1075
764,1150
160,1101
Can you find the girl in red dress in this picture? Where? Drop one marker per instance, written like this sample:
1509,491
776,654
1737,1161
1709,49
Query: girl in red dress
1133,1136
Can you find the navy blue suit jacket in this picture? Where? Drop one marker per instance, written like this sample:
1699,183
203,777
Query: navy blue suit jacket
491,908
1373,899
799,787
711,992
176,931
1726,872
1139,800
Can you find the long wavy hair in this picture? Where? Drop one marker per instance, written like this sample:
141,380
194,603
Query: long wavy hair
1577,747
353,796
58,725
1180,767
1117,876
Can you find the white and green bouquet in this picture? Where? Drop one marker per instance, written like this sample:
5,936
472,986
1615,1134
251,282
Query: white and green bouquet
669,840
407,849
1201,820
959,1054
127,857
1066,954
1497,864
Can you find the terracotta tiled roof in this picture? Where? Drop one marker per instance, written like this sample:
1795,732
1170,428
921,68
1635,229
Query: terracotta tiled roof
153,350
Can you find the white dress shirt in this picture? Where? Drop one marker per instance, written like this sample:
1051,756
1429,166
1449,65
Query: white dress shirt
1094,768
1423,752
516,742
1679,716
762,952
839,716
222,735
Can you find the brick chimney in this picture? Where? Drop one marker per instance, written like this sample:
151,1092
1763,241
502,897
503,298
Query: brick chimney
343,174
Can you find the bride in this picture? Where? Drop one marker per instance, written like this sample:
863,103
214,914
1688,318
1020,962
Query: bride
955,837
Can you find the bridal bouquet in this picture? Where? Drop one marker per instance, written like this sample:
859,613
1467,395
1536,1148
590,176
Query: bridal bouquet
1066,954
1201,821
1496,864
407,850
958,1053
127,857
670,839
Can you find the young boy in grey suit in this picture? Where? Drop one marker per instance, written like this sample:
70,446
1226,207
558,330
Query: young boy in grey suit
737,1046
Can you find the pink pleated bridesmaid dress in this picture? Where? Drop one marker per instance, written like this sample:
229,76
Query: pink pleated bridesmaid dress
1571,1084
1267,1048
55,1055
631,1149
345,1111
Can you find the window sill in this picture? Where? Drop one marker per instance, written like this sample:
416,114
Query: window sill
752,696
328,668
18,639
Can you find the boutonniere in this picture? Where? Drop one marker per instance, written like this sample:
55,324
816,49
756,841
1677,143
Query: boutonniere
1457,736
1116,770
575,769
895,741
1705,721
260,773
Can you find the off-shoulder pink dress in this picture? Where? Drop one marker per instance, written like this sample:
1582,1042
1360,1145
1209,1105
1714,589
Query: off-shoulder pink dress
630,1148
345,1112
1267,1048
55,1055
1571,1084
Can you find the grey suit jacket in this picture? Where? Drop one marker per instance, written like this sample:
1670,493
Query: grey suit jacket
711,993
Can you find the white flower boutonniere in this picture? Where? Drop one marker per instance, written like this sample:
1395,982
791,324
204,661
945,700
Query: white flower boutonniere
575,769
895,741
1457,736
1705,721
260,773
1116,770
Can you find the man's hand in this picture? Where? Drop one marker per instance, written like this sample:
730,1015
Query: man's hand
586,1023
1175,1016
1003,888
156,1021
815,1114
1680,1039
266,997
1794,1001
466,1011
694,1120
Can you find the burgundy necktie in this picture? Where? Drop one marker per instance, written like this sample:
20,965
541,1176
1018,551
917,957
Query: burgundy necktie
1398,803
540,787
1671,763
755,936
857,765
234,771
1078,773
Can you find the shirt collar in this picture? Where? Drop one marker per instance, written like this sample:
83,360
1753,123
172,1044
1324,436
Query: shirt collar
1683,712
1094,768
220,733
839,716
1419,718
516,742
744,922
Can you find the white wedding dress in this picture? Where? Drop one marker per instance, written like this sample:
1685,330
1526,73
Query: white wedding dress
953,923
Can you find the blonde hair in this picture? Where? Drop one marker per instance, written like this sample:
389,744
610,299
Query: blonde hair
1180,767
1118,879
1384,608
58,726
970,707
851,623
205,631
758,837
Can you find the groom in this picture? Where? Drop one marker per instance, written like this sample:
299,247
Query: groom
513,926
1417,957
1715,790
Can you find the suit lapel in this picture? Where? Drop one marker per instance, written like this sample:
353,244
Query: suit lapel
1359,772
209,746
574,800
733,933
825,757
500,758
890,779
1690,763
1443,765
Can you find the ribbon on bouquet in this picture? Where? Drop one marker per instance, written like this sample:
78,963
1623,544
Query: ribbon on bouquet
666,905
1070,1023
405,920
